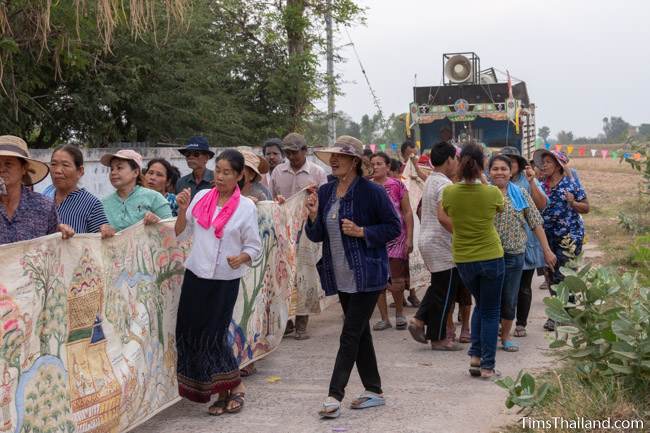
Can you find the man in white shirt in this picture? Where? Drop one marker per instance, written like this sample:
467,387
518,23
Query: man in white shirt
287,179
296,173
435,246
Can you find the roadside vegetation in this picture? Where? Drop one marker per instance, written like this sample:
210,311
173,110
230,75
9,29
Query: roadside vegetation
602,345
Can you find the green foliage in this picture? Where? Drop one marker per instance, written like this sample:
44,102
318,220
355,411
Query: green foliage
565,137
616,129
605,325
544,132
237,72
523,392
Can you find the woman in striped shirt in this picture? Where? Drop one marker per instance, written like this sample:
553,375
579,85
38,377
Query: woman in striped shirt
75,206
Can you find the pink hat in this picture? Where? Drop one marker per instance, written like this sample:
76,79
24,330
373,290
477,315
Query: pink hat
127,154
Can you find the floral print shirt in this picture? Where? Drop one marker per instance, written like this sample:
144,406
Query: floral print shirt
560,219
511,225
397,247
35,217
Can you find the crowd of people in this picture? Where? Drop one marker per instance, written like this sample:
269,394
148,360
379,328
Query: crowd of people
488,223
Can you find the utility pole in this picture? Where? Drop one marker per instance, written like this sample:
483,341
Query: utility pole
331,115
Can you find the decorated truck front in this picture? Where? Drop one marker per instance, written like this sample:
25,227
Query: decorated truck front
472,105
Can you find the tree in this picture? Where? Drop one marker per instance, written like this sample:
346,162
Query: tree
565,137
239,72
644,130
616,129
316,127
544,132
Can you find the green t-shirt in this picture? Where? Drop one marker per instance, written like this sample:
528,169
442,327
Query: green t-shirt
472,208
124,213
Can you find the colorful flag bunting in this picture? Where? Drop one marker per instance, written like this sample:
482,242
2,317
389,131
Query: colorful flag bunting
547,145
569,149
637,156
604,153
558,147
593,152
614,155
582,150
373,147
382,147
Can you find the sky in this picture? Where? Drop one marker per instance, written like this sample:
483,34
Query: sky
581,60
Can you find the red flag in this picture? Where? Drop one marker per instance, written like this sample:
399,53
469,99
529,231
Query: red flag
581,151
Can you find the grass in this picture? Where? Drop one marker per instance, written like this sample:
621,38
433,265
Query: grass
572,398
612,188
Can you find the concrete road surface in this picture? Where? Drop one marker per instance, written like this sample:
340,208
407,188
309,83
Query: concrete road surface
425,391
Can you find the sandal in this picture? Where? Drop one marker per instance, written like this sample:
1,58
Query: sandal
510,346
465,337
413,300
549,325
382,325
218,407
449,346
400,323
417,332
238,398
331,408
367,399
520,331
249,370
492,373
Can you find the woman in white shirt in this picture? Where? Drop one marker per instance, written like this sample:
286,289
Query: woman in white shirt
223,227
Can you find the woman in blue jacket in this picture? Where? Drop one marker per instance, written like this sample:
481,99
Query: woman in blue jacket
354,219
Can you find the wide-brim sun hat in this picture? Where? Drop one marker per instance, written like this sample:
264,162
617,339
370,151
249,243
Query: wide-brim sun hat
512,152
559,157
256,163
11,145
126,154
345,145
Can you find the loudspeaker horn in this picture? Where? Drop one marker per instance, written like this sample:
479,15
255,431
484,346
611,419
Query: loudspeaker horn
458,69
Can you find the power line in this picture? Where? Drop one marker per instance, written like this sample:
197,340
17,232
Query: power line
375,99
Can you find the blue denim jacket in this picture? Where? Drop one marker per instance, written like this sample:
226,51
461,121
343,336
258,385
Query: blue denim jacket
368,206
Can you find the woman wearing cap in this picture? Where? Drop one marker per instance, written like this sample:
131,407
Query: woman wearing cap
523,175
562,222
354,219
225,240
476,249
519,215
161,176
131,203
400,247
251,184
75,206
24,214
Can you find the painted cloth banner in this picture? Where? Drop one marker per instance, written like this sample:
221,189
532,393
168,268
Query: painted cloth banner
420,276
87,325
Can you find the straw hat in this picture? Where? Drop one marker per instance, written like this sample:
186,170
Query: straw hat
345,145
15,146
127,154
255,163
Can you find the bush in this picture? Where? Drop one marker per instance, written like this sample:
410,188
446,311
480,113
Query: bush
606,327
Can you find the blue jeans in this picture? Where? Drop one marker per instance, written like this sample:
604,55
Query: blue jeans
484,280
514,264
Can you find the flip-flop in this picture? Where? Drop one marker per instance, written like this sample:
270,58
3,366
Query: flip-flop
496,374
367,399
448,348
417,333
331,408
475,369
510,346
520,331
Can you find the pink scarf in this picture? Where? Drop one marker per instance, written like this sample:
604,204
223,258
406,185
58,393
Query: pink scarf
204,210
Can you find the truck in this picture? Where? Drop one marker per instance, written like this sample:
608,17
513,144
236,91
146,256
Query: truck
472,105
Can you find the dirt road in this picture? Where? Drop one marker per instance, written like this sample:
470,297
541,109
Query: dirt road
426,391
